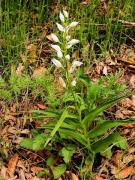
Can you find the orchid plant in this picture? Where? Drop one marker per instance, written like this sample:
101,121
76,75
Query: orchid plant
79,118
64,44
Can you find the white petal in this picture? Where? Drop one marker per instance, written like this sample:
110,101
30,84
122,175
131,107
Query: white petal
56,63
65,13
60,27
62,82
59,54
54,38
61,16
73,83
56,47
67,57
73,42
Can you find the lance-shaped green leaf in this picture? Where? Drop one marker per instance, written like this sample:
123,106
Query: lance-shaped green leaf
113,139
45,114
74,135
94,113
105,126
57,126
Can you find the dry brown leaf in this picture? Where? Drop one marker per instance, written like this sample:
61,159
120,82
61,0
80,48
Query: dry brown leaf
31,47
10,117
131,150
12,164
124,173
40,71
105,70
128,158
75,54
19,69
21,165
129,126
133,100
99,67
117,159
3,173
98,178
74,177
126,102
132,81
85,2
119,115
36,169
41,106
23,58
21,175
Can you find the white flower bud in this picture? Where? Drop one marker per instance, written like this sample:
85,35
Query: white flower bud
54,38
73,83
59,54
65,13
56,47
61,16
60,27
56,63
62,82
67,57
74,65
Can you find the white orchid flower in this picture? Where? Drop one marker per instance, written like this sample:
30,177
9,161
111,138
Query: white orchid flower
59,54
61,16
72,42
71,25
60,27
73,83
54,38
65,13
56,63
62,82
56,47
67,57
74,65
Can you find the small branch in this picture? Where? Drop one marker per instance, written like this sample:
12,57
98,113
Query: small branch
127,23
